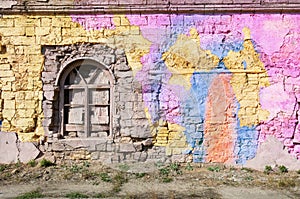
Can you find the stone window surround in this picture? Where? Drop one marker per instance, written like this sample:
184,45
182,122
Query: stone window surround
57,60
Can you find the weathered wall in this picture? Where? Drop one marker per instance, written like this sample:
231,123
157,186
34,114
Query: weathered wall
213,87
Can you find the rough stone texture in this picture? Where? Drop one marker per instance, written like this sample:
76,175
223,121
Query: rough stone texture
272,152
8,148
188,87
12,150
28,151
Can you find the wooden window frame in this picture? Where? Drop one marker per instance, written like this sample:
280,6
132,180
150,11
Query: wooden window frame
63,74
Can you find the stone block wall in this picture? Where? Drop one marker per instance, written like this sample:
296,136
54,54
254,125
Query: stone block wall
189,87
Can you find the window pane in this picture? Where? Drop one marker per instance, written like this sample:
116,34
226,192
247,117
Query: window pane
74,78
75,96
74,115
99,96
87,72
100,78
99,115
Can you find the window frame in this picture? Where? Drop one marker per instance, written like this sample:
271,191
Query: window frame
63,74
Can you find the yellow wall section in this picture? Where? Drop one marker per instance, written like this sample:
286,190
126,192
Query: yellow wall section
22,64
186,57
246,82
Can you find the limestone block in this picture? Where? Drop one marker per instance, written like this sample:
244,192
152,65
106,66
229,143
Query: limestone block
22,40
50,95
8,113
127,147
5,67
8,73
141,131
8,95
13,31
40,31
8,148
29,31
26,112
28,151
46,22
25,122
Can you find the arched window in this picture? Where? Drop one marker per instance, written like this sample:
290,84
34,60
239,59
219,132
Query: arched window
85,100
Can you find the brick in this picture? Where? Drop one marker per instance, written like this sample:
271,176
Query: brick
7,73
41,31
15,31
46,22
8,95
8,114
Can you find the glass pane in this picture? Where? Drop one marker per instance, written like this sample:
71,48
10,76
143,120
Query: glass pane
74,115
99,96
74,78
100,78
74,96
87,72
99,115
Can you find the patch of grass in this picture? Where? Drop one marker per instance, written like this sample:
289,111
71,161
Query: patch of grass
120,178
167,179
140,175
102,195
86,164
76,195
46,163
247,170
283,169
123,167
18,164
2,167
268,169
32,163
214,168
189,167
174,166
33,194
105,177
286,183
249,178
164,171
159,164
76,168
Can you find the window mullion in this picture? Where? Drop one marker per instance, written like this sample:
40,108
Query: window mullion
87,113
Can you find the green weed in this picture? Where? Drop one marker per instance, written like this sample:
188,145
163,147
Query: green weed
139,175
2,167
105,177
283,169
214,168
46,163
33,194
32,163
247,169
123,167
268,169
76,195
167,179
189,167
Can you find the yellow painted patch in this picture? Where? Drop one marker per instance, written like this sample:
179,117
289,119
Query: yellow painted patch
248,77
22,64
186,57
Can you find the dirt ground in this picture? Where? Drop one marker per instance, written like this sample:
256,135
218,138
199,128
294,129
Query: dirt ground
145,180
